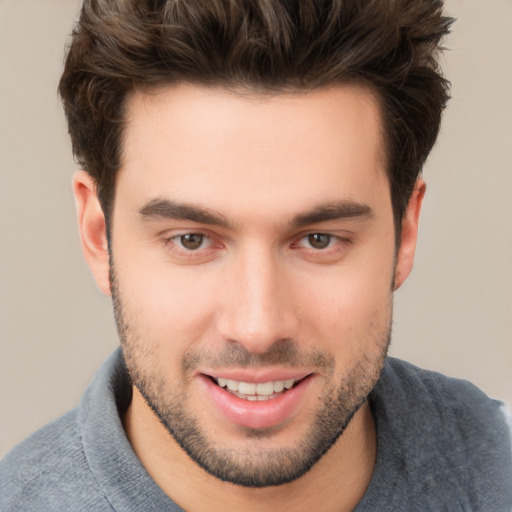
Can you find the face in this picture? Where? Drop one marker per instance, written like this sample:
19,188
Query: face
253,261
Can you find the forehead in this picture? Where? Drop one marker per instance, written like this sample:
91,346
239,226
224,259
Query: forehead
221,148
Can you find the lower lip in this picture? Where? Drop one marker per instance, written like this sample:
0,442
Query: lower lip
253,414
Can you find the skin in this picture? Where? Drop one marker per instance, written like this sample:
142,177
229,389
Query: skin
256,281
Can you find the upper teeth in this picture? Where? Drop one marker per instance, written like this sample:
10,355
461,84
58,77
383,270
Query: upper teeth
251,388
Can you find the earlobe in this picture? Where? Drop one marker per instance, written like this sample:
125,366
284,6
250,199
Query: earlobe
405,256
92,229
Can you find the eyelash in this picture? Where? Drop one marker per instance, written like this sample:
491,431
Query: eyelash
332,253
180,237
309,238
174,244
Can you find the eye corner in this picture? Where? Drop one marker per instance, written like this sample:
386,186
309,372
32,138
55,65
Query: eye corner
190,246
330,247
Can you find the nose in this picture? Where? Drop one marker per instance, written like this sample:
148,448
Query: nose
258,302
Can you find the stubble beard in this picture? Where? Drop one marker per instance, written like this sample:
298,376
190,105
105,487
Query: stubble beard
256,467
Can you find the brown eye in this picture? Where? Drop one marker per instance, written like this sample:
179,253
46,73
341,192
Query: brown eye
192,241
319,240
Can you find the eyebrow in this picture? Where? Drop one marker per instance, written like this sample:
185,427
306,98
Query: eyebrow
333,211
169,209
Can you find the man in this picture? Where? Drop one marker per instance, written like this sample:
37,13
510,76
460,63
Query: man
250,200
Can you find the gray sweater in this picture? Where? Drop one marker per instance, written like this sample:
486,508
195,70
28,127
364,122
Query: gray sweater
442,446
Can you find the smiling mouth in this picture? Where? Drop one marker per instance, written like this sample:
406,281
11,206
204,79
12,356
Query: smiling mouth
260,391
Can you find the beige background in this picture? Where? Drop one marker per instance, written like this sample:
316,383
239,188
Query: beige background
453,315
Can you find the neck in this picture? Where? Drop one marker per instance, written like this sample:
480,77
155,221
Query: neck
336,483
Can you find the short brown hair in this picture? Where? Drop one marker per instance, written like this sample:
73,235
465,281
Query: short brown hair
390,46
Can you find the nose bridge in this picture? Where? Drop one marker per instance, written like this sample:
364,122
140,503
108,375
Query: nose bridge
259,307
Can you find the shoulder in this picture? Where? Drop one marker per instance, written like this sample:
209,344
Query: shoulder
49,471
428,390
449,431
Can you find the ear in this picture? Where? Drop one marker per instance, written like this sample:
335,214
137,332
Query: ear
92,229
405,256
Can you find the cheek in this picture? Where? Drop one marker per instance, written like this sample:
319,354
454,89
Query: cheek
350,309
168,310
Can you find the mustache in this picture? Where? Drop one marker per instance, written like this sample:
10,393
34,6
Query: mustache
283,353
